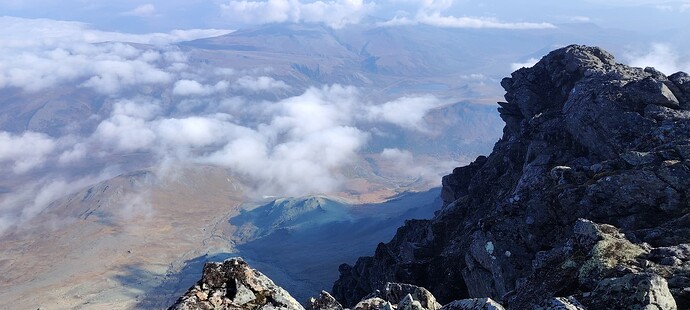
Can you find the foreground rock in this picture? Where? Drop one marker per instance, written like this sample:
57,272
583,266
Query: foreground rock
583,203
234,285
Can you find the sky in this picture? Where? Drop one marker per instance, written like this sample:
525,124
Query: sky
298,143
164,16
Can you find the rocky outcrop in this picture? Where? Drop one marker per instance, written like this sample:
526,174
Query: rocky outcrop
234,285
583,203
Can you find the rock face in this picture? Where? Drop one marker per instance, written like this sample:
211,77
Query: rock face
583,203
234,285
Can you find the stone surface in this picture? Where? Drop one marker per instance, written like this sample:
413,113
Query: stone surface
232,284
562,303
407,303
374,303
632,291
324,302
590,182
473,304
398,291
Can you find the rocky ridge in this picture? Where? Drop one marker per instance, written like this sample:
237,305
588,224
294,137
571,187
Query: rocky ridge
584,198
583,204
233,284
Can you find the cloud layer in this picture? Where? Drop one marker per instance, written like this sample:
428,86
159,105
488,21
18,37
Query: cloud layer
154,100
662,56
339,13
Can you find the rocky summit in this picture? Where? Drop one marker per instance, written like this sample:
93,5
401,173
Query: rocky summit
583,204
583,200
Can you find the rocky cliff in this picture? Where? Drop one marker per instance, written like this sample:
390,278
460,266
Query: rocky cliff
584,200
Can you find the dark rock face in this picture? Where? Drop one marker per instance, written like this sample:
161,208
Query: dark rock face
585,195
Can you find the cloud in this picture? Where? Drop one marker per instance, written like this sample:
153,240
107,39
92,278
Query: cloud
144,10
431,12
339,13
301,149
127,129
526,64
26,151
76,152
579,19
406,112
58,53
661,56
405,164
664,7
45,33
194,88
135,206
479,22
25,202
261,83
336,13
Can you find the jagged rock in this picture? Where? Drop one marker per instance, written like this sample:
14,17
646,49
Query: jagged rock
399,291
234,285
632,291
585,138
473,304
374,303
563,303
324,302
407,303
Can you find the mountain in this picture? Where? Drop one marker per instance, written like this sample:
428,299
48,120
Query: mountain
138,240
299,242
114,243
585,197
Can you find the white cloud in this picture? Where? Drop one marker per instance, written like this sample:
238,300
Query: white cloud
193,131
438,20
25,202
261,83
135,206
106,68
406,112
77,152
405,164
194,88
431,12
526,64
661,56
125,133
25,33
144,10
128,129
335,13
26,151
579,19
308,138
664,7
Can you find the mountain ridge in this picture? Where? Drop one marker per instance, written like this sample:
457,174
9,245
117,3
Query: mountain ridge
585,137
